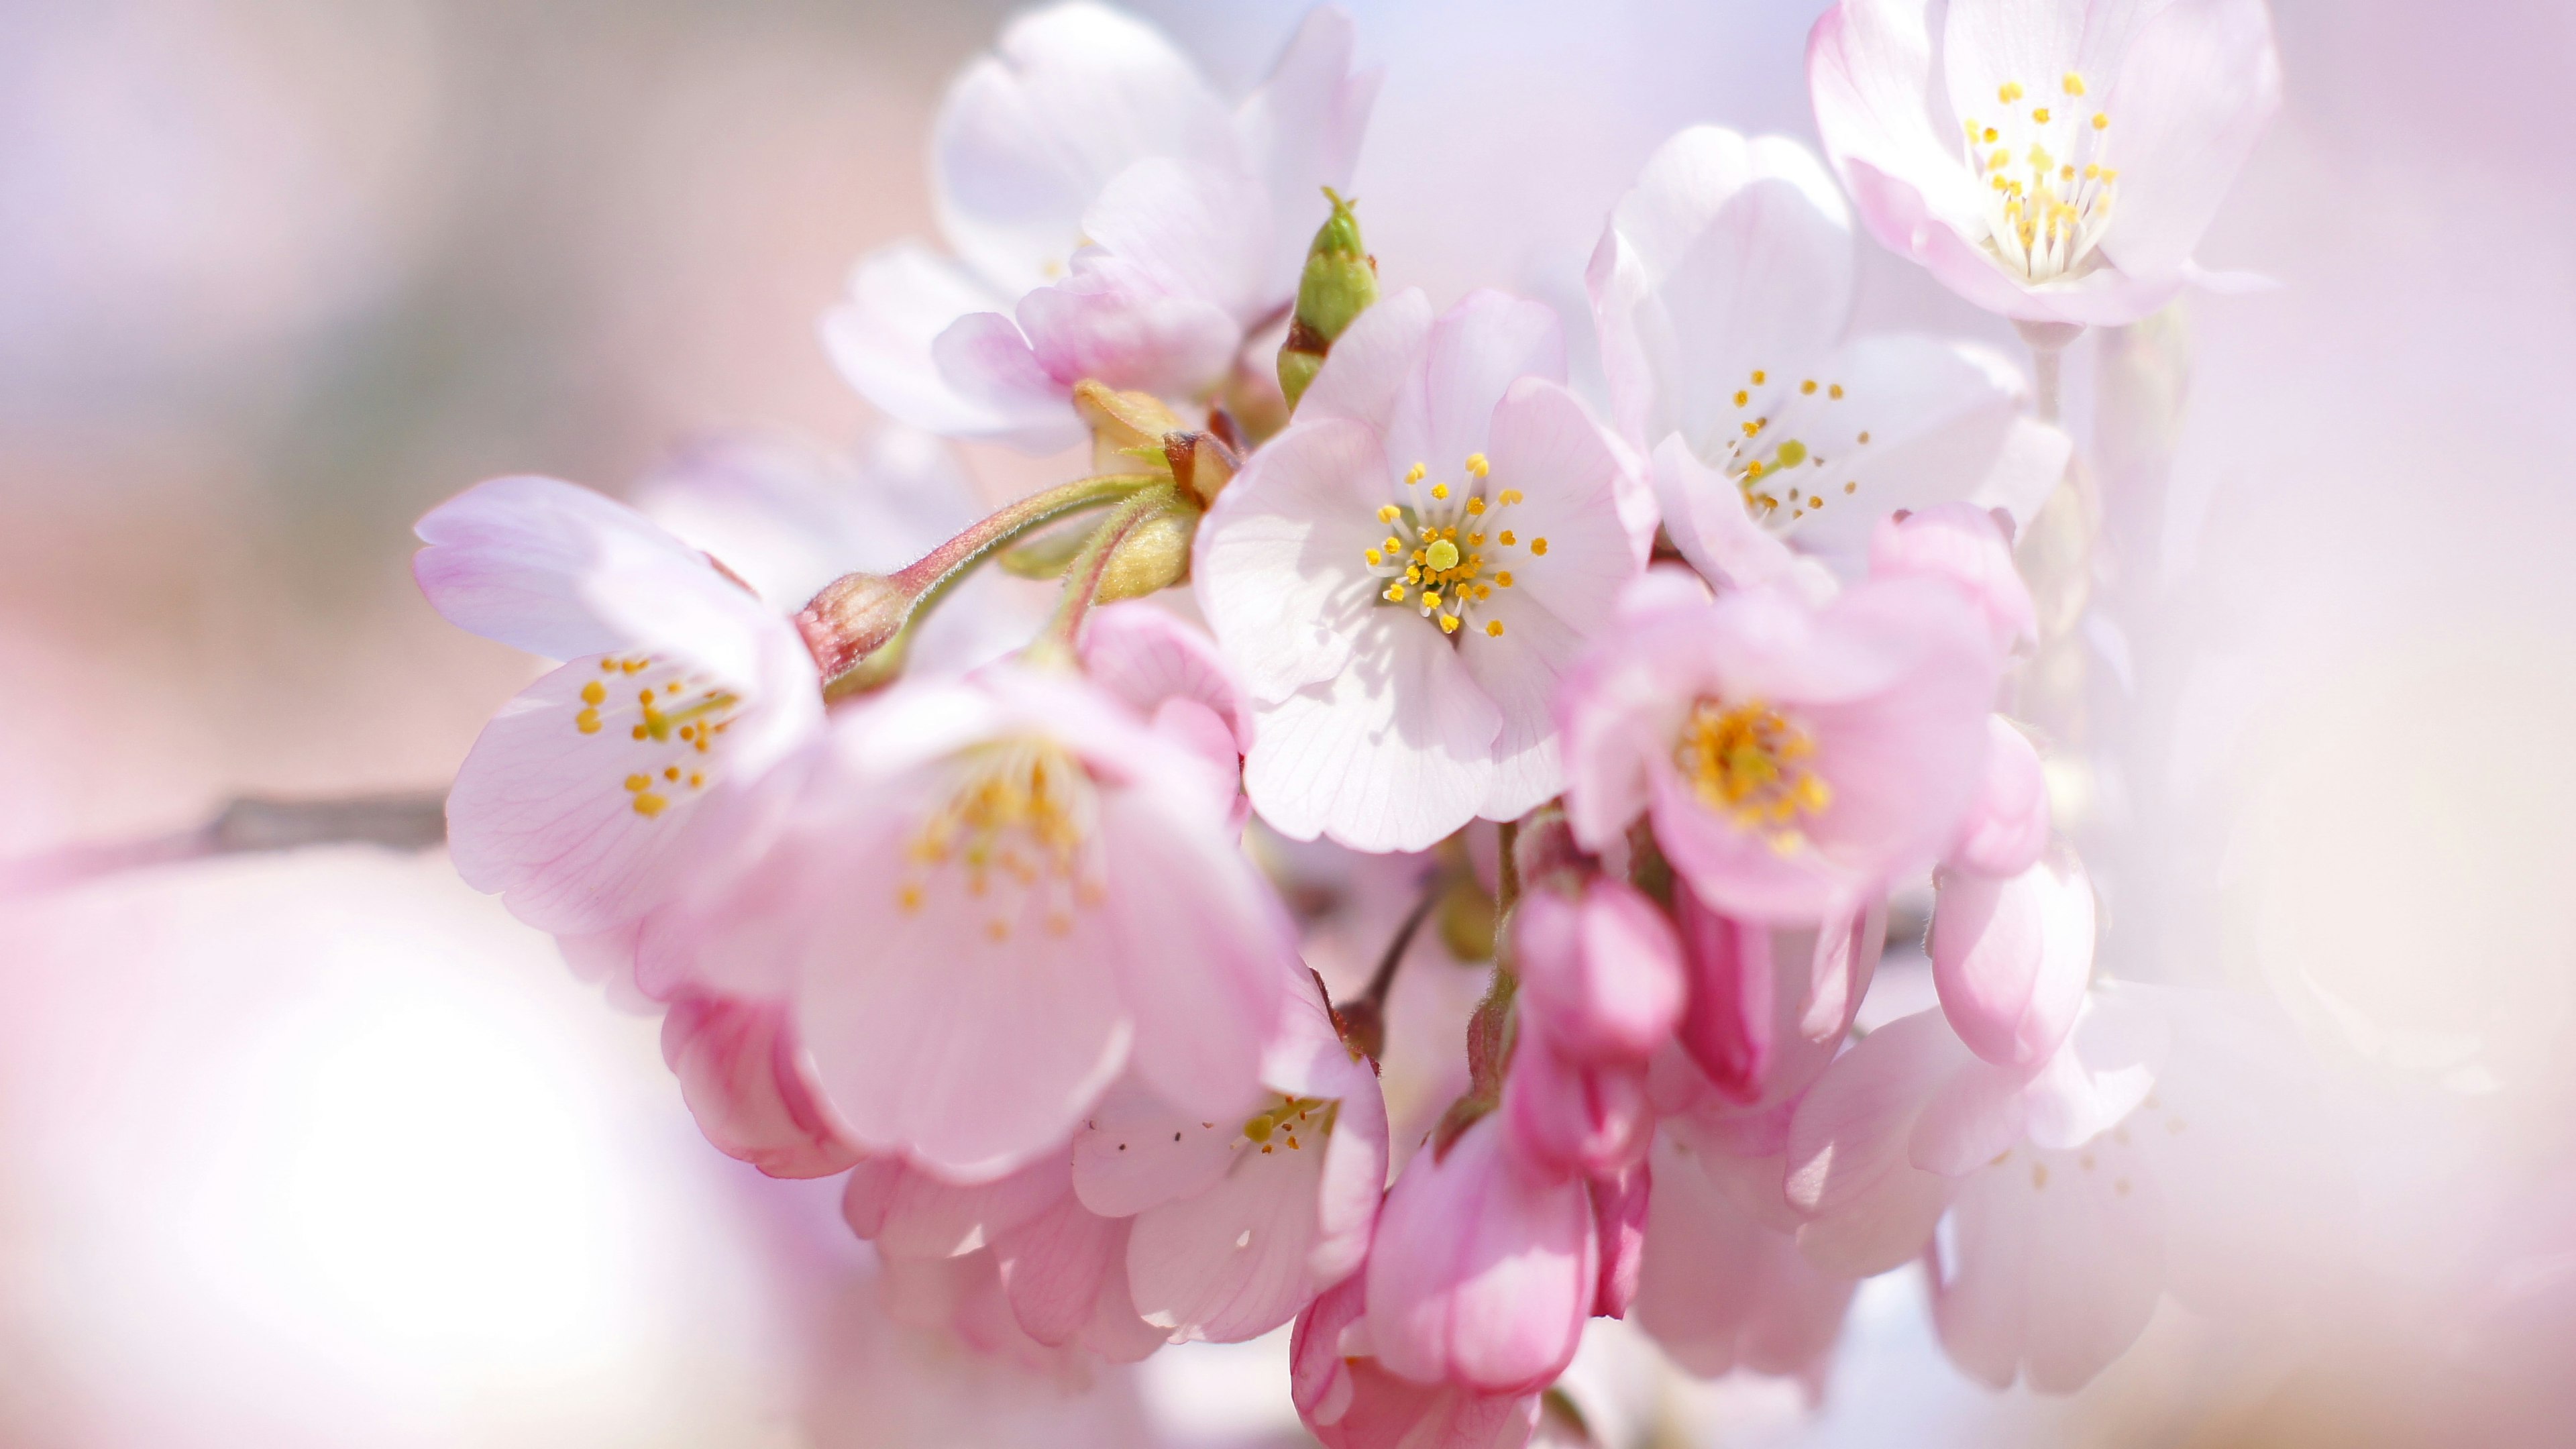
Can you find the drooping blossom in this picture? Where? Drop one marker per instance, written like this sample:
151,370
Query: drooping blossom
987,898
1601,991
1349,1400
1723,1285
1769,1005
1110,218
1240,1223
1485,1267
1795,758
1401,577
2146,1154
1722,287
575,804
2055,161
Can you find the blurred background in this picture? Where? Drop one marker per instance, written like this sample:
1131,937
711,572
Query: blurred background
324,1149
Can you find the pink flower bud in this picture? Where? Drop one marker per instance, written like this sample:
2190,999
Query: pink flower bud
1349,1401
1483,1269
2011,956
2007,825
1601,973
1962,544
1572,1118
1619,1222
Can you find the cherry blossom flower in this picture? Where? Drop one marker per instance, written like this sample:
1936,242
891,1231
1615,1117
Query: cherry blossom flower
989,897
1348,1400
1795,759
1601,990
1240,1223
1402,576
575,804
2051,160
1723,1283
1111,219
1484,1268
1722,287
751,1087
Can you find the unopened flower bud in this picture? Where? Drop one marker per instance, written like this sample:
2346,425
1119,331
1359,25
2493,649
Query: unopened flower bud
852,618
1200,463
1127,428
1152,557
1340,281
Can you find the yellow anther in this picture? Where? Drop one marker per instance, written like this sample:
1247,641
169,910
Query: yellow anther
1389,513
1538,547
1758,376
2000,160
1504,578
1852,487
2074,84
1864,437
1475,540
1414,473
1992,135
1375,558
1742,397
639,782
1394,546
1477,465
2010,92
593,693
909,897
1394,593
1792,453
1511,496
1439,490
587,721
649,805
1754,428
1753,469
1808,388
1815,502
1835,391
1493,628
2101,120
1448,623
1508,539
998,930
2040,115
1476,505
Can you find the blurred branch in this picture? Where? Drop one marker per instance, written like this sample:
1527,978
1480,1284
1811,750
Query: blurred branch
246,825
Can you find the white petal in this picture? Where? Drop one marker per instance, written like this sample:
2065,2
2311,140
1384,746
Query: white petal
884,338
1281,569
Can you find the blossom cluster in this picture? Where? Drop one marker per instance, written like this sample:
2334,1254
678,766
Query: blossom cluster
1709,664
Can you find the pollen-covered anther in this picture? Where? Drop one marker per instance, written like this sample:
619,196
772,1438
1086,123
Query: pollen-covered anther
1748,762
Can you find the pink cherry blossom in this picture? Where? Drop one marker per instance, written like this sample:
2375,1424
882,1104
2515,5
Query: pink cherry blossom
2012,957
1240,1223
1110,219
1484,1268
2050,160
2007,825
989,897
1348,1400
1768,1006
1401,577
1795,759
1723,1284
1972,548
1601,990
748,1082
576,804
1722,287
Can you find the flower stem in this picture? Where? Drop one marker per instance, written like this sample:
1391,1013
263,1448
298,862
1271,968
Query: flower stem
1063,633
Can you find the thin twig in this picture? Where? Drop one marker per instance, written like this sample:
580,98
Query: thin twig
246,825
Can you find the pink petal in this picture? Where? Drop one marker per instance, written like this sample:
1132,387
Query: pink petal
885,337
1231,1262
1619,1205
987,361
1143,655
909,1213
2197,86
1301,132
1605,971
746,1081
1477,350
1375,368
1279,567
2008,823
1868,1208
2011,957
1575,1119
1136,1151
2053,1269
1961,544
518,560
1720,1288
1054,1265
1482,1274
1727,1027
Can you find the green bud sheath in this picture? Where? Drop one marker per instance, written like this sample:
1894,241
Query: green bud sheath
1339,283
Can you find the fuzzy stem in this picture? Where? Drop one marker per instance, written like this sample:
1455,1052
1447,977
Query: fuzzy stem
1063,634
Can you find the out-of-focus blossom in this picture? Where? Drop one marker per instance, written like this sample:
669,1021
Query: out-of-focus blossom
1971,547
1351,1401
990,896
2012,956
576,802
2051,160
1795,759
1722,288
2008,823
751,1087
1240,1224
1485,1267
1403,575
1111,219
1723,1283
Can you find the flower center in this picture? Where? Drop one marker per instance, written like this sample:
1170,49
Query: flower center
2048,194
1746,762
1434,554
1775,449
1284,1119
674,717
1018,827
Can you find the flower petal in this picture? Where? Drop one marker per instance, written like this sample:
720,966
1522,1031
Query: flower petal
2011,957
1869,1208
885,339
2196,87
1280,566
746,1081
1301,132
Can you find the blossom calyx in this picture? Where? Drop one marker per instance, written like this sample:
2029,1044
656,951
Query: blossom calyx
1339,282
1153,556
